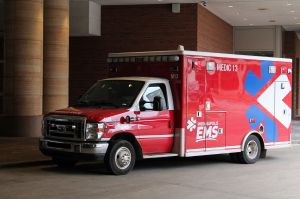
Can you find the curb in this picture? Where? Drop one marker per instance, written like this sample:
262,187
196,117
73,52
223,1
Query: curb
25,164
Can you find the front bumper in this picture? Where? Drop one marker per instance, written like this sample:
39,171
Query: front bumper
73,150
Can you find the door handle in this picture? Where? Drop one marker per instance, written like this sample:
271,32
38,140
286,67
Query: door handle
170,124
284,111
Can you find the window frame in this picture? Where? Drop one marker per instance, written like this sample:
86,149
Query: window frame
163,88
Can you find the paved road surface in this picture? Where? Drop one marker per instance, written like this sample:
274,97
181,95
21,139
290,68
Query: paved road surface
277,176
25,173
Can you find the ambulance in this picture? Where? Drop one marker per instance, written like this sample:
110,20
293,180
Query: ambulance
181,103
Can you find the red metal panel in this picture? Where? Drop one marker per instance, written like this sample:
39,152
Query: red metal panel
195,91
215,129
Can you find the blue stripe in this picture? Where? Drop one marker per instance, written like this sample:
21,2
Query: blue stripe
253,84
270,128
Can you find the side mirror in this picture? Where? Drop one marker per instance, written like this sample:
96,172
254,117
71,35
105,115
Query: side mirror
142,105
157,103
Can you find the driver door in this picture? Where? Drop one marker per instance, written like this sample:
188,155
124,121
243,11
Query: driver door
155,127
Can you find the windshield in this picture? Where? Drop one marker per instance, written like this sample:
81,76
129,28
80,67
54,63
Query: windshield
112,93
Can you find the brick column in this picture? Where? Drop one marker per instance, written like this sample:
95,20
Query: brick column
23,68
56,55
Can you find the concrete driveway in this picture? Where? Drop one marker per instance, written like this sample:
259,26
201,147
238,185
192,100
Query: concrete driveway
277,176
25,173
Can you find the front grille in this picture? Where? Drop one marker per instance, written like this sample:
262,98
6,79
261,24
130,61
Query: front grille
65,127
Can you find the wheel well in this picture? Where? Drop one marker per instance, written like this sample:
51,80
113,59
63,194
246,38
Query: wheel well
259,137
262,143
130,138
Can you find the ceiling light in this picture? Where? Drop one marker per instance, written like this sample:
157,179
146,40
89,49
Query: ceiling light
251,24
230,6
292,11
289,4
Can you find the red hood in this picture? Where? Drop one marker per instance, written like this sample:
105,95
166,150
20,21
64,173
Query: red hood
92,114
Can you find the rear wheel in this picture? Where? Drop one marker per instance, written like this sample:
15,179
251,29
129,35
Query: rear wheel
251,151
120,158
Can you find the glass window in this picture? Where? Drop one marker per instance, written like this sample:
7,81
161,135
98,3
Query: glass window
112,93
155,90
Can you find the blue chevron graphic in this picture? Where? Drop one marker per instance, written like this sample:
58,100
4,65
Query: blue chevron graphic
253,84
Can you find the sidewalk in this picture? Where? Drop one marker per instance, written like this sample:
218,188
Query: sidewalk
296,132
16,150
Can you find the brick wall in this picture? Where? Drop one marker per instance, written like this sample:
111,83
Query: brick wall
129,28
214,34
142,28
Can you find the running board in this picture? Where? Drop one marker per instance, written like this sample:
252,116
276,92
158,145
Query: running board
160,155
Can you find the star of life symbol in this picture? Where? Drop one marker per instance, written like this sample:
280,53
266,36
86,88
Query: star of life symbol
191,124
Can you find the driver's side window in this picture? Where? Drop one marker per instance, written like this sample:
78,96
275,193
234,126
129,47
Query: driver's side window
152,93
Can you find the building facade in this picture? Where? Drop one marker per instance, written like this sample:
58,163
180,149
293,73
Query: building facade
49,59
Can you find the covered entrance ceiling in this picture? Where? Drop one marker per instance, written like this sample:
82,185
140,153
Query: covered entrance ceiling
240,12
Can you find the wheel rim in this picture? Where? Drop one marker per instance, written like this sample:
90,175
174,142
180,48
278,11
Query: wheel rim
123,158
252,149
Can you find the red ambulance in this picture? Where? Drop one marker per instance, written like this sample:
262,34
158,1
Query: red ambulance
175,103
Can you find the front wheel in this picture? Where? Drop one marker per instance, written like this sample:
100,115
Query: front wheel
252,150
120,158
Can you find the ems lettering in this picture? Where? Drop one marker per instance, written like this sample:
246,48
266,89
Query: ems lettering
207,133
227,67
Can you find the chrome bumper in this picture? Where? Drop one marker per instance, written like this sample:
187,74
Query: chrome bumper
49,147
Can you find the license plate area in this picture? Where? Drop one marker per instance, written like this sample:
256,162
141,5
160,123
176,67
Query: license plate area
59,145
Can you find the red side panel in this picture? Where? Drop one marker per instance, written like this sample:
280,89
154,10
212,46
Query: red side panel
234,98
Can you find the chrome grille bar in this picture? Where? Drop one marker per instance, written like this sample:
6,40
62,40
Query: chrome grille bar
65,127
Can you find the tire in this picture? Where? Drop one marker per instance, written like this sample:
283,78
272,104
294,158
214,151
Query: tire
64,163
251,152
120,158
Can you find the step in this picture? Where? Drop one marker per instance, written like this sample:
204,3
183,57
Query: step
160,155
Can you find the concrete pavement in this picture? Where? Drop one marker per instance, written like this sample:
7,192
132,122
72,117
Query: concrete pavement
25,173
296,132
277,176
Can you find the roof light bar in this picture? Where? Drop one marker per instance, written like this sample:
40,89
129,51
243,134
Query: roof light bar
172,58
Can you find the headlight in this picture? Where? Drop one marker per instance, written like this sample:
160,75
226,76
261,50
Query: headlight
94,131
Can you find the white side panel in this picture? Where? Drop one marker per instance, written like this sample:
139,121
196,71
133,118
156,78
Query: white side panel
277,107
267,99
282,110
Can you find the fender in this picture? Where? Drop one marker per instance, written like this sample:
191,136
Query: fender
129,137
255,133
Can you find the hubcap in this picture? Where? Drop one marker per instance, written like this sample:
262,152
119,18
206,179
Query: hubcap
123,158
252,149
